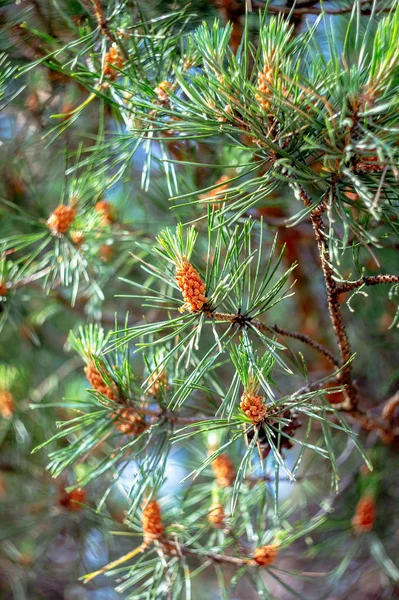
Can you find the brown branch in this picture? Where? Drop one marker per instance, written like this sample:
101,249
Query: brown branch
241,320
372,280
332,298
388,412
306,340
172,417
182,550
387,431
297,12
95,7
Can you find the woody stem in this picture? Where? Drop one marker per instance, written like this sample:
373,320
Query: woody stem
372,280
332,298
211,556
262,327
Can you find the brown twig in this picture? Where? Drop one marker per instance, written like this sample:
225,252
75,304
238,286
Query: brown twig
305,339
344,376
371,280
96,8
209,556
386,430
388,412
242,321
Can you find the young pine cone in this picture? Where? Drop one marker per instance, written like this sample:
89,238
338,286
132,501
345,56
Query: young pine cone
78,238
364,518
69,499
151,521
61,219
191,286
97,383
216,515
106,210
130,423
162,91
3,288
253,407
265,80
266,555
7,404
158,383
106,253
224,471
113,58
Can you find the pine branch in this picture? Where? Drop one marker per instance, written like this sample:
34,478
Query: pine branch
95,7
238,320
209,556
371,280
332,297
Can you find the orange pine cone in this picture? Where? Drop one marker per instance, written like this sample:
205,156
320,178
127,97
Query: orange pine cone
253,407
158,382
113,58
265,80
364,518
106,210
106,253
130,422
224,470
69,499
151,521
97,383
266,555
7,404
216,515
78,238
3,288
191,286
162,91
61,219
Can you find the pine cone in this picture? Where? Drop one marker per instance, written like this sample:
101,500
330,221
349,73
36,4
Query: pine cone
216,515
78,238
191,286
61,219
113,58
130,422
266,555
69,499
162,91
7,404
97,383
151,521
3,288
364,518
253,407
106,210
224,471
265,80
106,253
158,382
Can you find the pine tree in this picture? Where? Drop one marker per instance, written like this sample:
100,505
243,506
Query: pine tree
198,391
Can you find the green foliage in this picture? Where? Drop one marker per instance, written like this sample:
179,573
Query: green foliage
269,168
